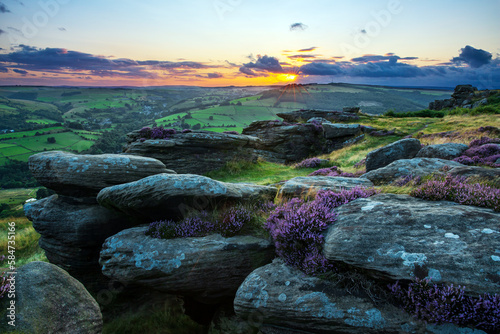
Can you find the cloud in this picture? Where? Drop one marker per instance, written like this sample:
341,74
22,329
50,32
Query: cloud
3,69
363,31
473,57
388,69
321,69
377,58
262,64
62,29
3,8
302,56
298,26
215,75
308,49
23,72
2,31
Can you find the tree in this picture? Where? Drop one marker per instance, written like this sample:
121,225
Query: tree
197,126
211,118
51,140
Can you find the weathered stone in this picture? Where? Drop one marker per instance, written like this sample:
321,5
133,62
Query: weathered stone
85,175
279,295
448,151
479,173
398,237
196,152
304,115
72,233
209,269
341,130
402,149
416,167
49,300
310,185
170,195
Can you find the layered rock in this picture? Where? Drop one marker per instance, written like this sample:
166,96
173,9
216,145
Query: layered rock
341,130
195,152
310,185
465,96
72,232
172,195
284,297
332,116
398,237
402,149
416,167
209,269
49,300
448,151
85,175
479,173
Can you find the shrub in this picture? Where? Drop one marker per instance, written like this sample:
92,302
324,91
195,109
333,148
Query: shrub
4,280
332,199
448,304
309,163
332,171
483,141
156,133
457,190
232,220
231,132
409,179
420,113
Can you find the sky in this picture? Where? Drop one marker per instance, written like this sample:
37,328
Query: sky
438,43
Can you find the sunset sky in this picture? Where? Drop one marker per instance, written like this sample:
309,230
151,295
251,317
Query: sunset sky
249,42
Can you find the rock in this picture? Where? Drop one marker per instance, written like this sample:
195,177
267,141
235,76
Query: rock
416,167
402,149
310,185
305,115
72,233
49,300
480,173
341,130
398,237
85,175
209,269
285,297
480,103
353,110
448,151
196,152
463,92
165,196
319,120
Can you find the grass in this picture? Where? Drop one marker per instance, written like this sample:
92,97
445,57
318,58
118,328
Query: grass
31,133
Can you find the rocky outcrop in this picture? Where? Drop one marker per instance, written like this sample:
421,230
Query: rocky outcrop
341,130
416,167
85,175
479,173
402,149
165,196
305,115
310,185
209,269
285,300
448,151
49,300
464,96
72,232
398,237
195,152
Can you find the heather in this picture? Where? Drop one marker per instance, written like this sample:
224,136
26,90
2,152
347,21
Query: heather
448,304
309,163
457,189
297,227
156,133
333,171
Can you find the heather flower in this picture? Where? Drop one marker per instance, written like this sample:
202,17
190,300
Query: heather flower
410,179
233,220
483,141
333,172
156,133
309,163
231,132
483,151
332,199
448,304
187,131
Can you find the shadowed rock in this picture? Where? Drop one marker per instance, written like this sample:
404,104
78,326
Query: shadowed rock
171,195
209,269
85,175
398,237
402,149
479,173
305,115
448,151
310,185
341,130
49,300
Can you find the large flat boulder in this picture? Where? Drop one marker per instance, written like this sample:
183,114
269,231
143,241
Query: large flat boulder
340,130
480,173
310,185
447,151
170,195
416,167
305,115
71,232
402,149
85,175
398,237
49,300
209,269
284,300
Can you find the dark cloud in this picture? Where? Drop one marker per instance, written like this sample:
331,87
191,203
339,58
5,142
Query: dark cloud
377,58
388,69
59,60
321,69
2,31
298,26
61,29
363,31
302,56
308,49
3,69
262,64
23,72
3,8
215,75
473,57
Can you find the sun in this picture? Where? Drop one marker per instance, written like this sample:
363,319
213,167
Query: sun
286,77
